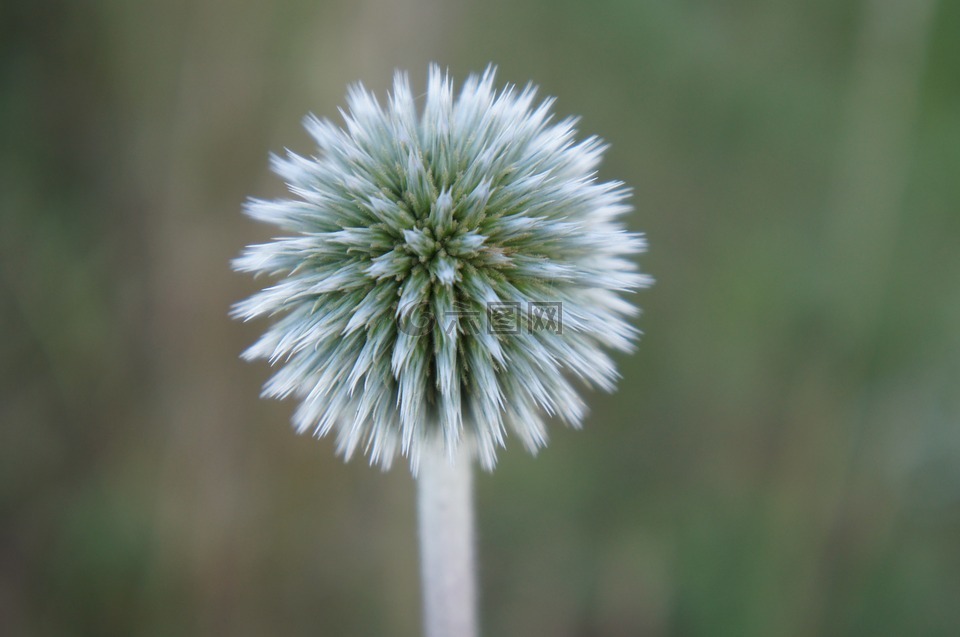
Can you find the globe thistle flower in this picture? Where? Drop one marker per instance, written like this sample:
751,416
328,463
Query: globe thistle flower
412,237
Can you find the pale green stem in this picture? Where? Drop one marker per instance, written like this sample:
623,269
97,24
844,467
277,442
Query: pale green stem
448,574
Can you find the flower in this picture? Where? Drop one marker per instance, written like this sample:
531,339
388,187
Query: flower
447,275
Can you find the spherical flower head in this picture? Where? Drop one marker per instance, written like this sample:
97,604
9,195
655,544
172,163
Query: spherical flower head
449,276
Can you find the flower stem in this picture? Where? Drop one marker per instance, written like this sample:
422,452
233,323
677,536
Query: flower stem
445,494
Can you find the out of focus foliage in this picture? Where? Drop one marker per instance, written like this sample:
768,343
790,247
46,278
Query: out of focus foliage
783,456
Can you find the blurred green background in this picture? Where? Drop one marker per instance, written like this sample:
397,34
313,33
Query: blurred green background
782,458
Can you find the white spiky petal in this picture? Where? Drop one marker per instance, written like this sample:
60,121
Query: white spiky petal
480,199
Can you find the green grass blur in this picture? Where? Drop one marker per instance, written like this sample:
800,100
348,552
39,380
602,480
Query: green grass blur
782,458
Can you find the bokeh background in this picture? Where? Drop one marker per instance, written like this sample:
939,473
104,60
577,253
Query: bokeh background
782,458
